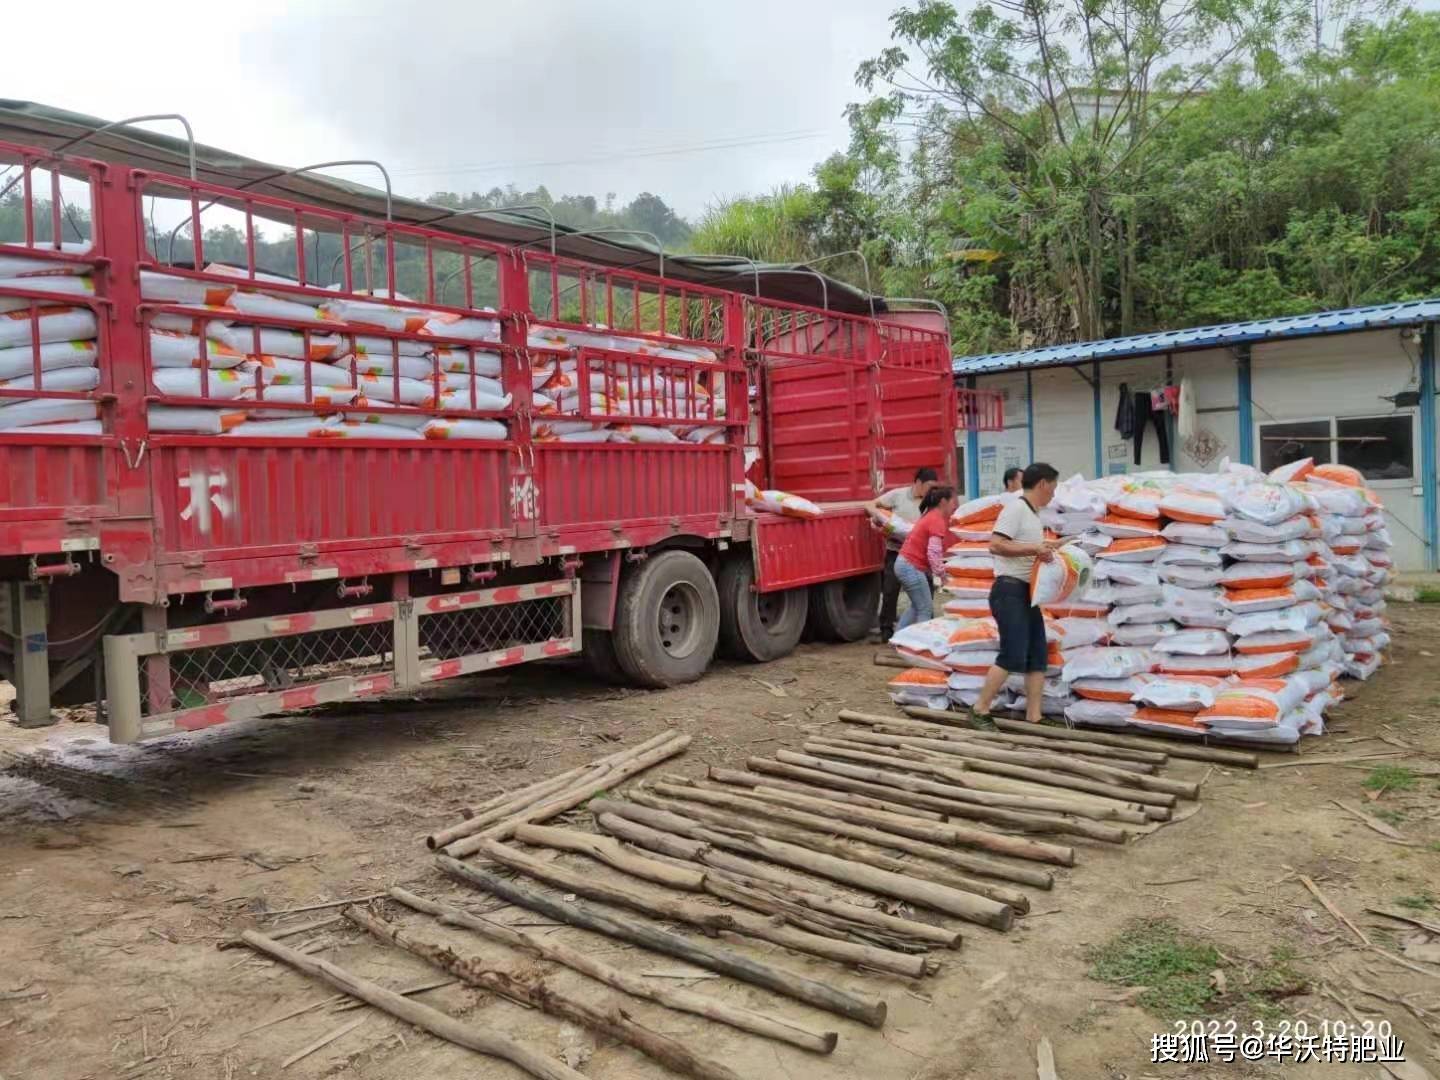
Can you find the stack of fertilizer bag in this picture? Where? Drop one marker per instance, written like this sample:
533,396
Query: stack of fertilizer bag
69,351
620,389
1224,604
348,373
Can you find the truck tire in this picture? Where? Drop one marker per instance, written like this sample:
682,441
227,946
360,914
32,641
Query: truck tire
598,649
667,620
844,610
757,627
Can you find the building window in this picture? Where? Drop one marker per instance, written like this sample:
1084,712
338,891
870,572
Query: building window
1391,456
1381,447
1282,443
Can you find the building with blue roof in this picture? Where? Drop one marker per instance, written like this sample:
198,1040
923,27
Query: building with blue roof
1355,386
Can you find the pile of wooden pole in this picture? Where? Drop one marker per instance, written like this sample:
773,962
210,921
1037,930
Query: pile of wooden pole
808,849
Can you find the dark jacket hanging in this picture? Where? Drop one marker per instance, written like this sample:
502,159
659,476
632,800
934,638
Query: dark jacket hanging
1125,414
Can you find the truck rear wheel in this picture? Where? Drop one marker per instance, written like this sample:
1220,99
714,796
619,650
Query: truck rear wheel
757,627
667,620
844,610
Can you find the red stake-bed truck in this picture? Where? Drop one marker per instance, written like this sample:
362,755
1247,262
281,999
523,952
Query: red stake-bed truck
184,579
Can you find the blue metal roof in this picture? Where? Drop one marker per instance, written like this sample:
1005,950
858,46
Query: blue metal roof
1407,313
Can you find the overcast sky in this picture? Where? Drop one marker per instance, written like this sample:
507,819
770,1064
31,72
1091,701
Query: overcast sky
692,101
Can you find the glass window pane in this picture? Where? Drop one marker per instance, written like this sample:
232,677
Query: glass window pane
1282,443
1391,454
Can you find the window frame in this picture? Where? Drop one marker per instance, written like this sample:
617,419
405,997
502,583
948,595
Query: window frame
1412,481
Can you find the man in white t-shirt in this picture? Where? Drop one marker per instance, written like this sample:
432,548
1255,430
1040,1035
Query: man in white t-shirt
1017,541
904,503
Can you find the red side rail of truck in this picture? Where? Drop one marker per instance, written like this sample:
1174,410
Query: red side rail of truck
590,496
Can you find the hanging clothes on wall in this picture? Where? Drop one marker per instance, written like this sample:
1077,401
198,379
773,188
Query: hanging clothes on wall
1125,414
1147,410
1187,424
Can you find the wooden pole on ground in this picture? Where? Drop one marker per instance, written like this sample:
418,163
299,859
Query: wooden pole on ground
817,860
958,801
606,850
867,853
801,888
708,920
956,743
1039,759
1051,778
952,781
1116,772
423,1016
740,778
676,998
609,1021
1022,820
869,1011
618,771
757,894
872,826
954,722
1238,758
993,776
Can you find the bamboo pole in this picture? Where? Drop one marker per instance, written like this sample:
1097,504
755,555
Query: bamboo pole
608,1021
676,998
803,889
874,826
969,906
1238,758
573,796
968,801
708,920
870,1011
479,1039
608,851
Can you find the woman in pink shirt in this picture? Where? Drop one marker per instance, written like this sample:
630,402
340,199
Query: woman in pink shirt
922,557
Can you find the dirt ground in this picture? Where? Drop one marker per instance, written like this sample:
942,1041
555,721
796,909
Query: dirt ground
121,868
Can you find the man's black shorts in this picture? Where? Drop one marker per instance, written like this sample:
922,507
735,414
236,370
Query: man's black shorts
1022,626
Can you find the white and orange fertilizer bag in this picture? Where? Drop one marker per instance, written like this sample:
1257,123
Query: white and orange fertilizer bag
784,504
1058,579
